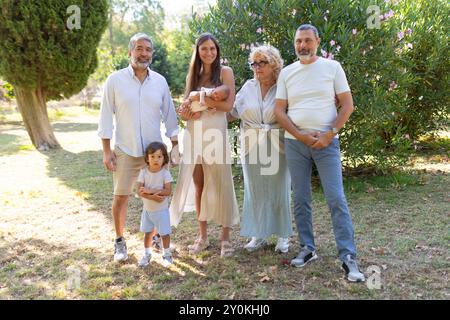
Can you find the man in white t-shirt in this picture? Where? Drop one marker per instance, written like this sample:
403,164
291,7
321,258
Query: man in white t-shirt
305,107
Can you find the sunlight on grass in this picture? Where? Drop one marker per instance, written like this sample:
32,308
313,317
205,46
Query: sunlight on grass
179,264
28,147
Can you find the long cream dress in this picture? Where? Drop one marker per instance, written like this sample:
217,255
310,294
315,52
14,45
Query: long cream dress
206,142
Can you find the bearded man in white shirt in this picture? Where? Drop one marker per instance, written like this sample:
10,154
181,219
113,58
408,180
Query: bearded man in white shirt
305,107
137,98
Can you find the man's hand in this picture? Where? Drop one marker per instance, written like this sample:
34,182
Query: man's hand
109,160
308,138
324,139
174,156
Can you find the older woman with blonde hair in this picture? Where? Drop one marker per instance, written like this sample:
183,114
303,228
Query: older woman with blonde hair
266,209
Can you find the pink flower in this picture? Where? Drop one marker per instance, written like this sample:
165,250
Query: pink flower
400,35
408,31
354,31
381,17
259,30
338,48
332,43
324,53
388,15
250,14
392,85
409,45
330,56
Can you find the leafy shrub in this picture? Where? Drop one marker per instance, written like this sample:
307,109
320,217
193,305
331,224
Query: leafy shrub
398,72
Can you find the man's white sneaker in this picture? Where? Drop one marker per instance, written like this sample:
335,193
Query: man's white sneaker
120,250
282,245
351,270
255,244
304,256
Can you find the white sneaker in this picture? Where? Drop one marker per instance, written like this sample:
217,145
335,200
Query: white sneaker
145,260
120,250
351,269
282,245
255,244
167,260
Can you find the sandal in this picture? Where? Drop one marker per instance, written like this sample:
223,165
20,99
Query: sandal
226,249
199,245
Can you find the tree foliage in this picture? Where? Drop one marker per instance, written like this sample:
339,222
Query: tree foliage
47,52
37,48
398,70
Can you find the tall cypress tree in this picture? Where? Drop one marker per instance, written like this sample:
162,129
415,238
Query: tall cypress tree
47,52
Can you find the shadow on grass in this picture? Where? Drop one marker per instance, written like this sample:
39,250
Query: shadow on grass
84,173
433,145
9,144
36,269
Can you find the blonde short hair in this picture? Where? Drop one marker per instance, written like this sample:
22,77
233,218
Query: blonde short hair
269,53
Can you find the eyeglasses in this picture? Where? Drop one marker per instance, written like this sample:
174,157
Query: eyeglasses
258,64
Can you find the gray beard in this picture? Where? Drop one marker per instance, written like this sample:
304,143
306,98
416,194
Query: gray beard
140,65
304,57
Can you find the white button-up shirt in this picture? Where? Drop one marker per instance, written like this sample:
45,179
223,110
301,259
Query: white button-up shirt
137,108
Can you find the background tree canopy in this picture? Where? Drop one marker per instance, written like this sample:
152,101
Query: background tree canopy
172,48
398,72
46,59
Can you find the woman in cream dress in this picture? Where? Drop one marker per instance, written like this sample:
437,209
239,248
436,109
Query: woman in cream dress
206,162
267,185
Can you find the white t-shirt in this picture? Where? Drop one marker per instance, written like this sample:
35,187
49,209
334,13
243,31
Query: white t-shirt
154,180
310,90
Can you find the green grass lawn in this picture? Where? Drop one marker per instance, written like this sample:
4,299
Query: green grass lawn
56,231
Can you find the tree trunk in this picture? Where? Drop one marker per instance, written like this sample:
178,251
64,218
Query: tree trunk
33,108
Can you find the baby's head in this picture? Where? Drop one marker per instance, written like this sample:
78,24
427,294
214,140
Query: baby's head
220,93
156,155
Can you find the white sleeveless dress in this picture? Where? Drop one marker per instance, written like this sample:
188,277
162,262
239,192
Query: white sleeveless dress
205,141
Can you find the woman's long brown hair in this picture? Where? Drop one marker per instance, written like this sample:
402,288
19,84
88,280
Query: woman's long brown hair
195,67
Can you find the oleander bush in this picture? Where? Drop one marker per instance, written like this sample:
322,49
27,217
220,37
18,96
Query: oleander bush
395,55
